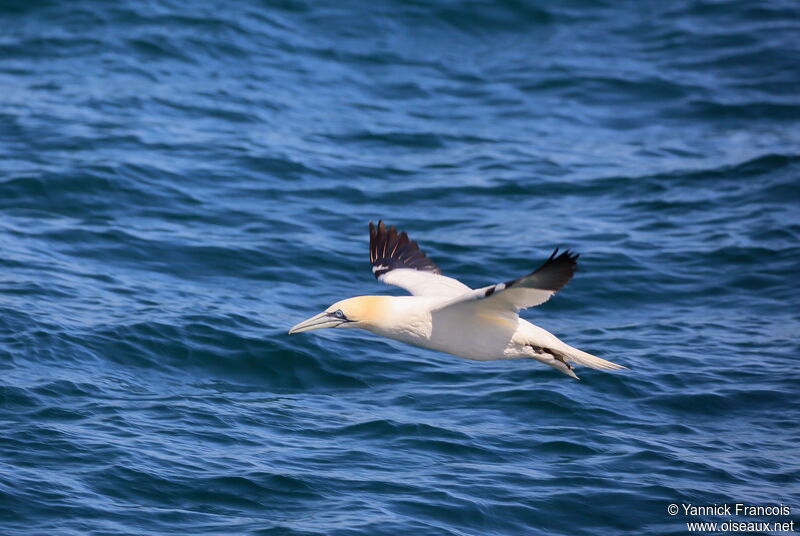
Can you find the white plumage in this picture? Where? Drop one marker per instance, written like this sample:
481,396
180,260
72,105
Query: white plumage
446,315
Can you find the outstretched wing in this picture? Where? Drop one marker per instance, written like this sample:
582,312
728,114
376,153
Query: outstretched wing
527,291
397,260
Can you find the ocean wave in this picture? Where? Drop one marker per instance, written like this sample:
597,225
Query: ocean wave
180,186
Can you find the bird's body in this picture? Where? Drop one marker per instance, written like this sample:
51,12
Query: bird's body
446,315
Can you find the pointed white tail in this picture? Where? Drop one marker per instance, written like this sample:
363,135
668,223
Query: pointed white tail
588,360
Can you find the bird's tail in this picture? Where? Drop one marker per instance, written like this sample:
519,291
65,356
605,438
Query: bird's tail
552,351
588,360
563,358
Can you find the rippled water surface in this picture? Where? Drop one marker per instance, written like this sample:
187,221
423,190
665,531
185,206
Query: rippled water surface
180,183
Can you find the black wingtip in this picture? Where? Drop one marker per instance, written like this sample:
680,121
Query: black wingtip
390,250
557,270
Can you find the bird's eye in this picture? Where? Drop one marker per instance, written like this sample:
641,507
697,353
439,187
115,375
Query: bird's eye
339,314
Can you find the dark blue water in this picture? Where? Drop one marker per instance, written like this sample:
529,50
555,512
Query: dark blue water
179,184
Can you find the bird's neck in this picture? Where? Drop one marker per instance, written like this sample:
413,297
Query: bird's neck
397,317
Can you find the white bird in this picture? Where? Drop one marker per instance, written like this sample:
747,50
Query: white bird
446,315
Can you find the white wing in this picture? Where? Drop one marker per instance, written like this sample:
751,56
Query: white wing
397,260
527,291
424,283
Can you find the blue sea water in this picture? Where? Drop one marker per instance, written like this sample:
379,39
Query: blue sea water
182,182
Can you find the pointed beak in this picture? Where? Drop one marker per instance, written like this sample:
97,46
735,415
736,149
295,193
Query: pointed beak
320,321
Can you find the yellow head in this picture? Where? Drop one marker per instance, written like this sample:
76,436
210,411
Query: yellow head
359,312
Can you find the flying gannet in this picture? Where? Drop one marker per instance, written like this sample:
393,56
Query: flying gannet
446,315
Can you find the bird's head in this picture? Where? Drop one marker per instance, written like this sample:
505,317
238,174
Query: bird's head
359,312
